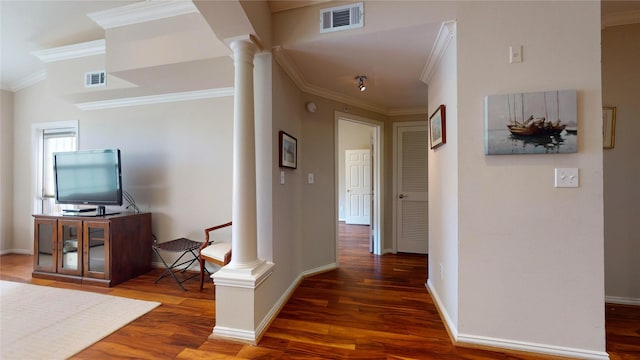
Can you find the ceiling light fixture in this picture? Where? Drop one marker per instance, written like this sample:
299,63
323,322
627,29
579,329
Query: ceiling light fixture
361,79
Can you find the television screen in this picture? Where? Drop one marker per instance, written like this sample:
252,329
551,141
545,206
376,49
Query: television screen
90,177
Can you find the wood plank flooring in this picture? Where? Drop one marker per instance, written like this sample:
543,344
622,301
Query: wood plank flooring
372,307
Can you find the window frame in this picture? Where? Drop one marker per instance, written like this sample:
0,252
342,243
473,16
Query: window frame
37,165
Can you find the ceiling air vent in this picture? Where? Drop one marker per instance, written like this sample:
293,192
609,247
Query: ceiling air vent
95,78
342,18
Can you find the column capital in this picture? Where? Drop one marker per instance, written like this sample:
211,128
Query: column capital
246,39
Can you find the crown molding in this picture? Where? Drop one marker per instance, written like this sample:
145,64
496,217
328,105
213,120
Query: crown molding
142,12
156,99
90,48
445,35
409,111
27,81
289,67
621,18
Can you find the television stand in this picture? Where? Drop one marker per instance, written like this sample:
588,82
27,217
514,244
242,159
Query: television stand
102,251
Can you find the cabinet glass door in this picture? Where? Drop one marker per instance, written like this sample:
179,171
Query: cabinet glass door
45,245
96,249
70,247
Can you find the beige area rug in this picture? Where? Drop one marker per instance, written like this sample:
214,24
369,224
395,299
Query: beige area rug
41,322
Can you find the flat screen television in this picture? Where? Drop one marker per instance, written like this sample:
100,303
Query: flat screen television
89,177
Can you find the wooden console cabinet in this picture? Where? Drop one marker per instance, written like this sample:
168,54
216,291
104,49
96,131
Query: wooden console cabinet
104,250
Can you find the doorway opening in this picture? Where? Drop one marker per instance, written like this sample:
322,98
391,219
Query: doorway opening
358,176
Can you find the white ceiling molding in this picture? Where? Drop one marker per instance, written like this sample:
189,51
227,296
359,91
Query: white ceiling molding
621,18
295,75
28,81
142,12
89,48
156,99
445,35
408,111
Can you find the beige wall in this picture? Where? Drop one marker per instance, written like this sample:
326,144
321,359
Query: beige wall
530,253
621,88
288,238
175,158
6,171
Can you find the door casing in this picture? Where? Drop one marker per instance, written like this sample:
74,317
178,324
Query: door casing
377,226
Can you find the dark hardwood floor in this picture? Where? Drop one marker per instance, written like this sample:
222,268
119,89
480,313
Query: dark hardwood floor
372,307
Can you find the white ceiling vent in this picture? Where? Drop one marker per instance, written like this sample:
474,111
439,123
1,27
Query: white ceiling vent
95,78
342,18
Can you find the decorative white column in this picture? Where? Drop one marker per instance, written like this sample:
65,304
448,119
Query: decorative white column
238,284
244,248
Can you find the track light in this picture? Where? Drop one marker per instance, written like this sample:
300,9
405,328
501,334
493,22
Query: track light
361,79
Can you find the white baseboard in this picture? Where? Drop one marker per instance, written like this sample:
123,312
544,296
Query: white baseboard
622,300
446,319
273,313
253,337
466,340
220,332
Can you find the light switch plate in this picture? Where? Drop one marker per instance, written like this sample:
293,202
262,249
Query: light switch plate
282,177
566,177
310,178
515,54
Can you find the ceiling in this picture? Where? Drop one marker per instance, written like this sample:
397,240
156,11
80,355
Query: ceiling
328,64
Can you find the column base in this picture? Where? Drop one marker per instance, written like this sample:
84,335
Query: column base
241,295
246,276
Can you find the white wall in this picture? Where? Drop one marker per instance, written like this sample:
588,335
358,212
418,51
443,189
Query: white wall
6,171
175,158
351,136
530,253
621,88
443,184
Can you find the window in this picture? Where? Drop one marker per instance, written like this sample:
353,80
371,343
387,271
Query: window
50,138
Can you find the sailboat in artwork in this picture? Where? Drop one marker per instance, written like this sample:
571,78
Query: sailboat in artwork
535,126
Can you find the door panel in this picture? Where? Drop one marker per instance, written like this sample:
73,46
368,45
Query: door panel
412,186
358,192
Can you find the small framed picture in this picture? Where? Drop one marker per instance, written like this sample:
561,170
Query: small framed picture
437,128
288,151
608,127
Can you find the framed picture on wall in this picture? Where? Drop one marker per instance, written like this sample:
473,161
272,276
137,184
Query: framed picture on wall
541,122
438,128
608,127
288,151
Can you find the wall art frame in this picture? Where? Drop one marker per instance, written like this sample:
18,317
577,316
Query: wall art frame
608,127
288,146
438,127
542,122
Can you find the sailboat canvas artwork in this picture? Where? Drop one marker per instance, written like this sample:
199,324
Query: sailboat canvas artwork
543,122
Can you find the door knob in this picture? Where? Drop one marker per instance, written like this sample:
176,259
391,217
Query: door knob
402,196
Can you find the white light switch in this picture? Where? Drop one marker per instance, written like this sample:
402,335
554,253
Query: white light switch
310,178
566,177
515,54
281,177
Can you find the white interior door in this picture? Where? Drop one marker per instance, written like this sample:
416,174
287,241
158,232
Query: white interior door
358,182
411,189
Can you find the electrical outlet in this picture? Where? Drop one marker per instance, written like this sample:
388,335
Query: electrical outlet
441,272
